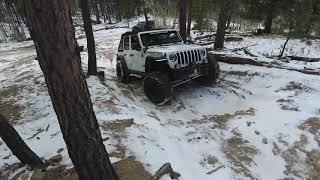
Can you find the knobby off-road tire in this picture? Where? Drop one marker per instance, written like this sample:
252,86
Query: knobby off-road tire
213,72
122,71
158,88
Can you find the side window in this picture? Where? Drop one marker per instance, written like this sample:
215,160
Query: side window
126,43
120,48
135,45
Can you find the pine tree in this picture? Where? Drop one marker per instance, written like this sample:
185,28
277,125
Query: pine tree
92,58
225,11
51,28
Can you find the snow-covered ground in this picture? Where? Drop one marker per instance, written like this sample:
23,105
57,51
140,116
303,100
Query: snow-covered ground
256,123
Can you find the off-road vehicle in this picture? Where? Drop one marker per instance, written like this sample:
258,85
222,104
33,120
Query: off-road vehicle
165,61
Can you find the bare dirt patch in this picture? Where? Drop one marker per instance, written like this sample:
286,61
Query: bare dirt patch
301,163
117,128
8,106
221,121
242,74
127,169
240,155
130,169
313,126
110,104
288,105
118,125
213,162
296,87
234,88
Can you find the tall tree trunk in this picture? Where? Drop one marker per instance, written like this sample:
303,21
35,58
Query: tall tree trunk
145,12
51,28
109,15
16,144
189,17
229,19
268,23
225,11
316,7
103,12
22,34
110,20
183,18
96,11
92,59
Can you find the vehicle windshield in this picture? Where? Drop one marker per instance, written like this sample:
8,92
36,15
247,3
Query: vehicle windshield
160,38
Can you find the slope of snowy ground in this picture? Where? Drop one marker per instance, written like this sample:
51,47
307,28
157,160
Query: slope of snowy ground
256,123
272,45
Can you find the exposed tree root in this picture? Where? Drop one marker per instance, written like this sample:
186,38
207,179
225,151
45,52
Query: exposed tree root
166,169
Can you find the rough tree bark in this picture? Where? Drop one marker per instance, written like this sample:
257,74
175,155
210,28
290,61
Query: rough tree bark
268,23
92,59
224,13
51,28
183,18
16,144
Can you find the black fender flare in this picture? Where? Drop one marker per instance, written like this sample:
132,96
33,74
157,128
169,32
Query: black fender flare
150,61
122,59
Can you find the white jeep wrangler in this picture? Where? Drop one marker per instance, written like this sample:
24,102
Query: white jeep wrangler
165,61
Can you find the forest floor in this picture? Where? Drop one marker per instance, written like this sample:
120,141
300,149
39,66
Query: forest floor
256,123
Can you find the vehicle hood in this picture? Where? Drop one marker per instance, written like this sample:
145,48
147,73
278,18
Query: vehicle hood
171,48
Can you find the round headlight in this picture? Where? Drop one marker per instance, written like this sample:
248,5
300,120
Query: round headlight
203,52
172,57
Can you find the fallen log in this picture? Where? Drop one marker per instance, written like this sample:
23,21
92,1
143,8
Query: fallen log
204,43
305,71
208,36
233,59
17,145
242,48
246,51
304,59
233,38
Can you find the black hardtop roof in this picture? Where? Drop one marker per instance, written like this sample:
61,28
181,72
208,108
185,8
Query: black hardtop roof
130,33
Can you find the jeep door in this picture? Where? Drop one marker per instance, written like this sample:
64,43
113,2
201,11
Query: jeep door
135,54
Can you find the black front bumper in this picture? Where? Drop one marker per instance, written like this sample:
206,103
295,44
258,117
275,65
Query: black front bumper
189,72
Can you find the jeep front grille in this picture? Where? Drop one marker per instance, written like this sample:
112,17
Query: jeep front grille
188,57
